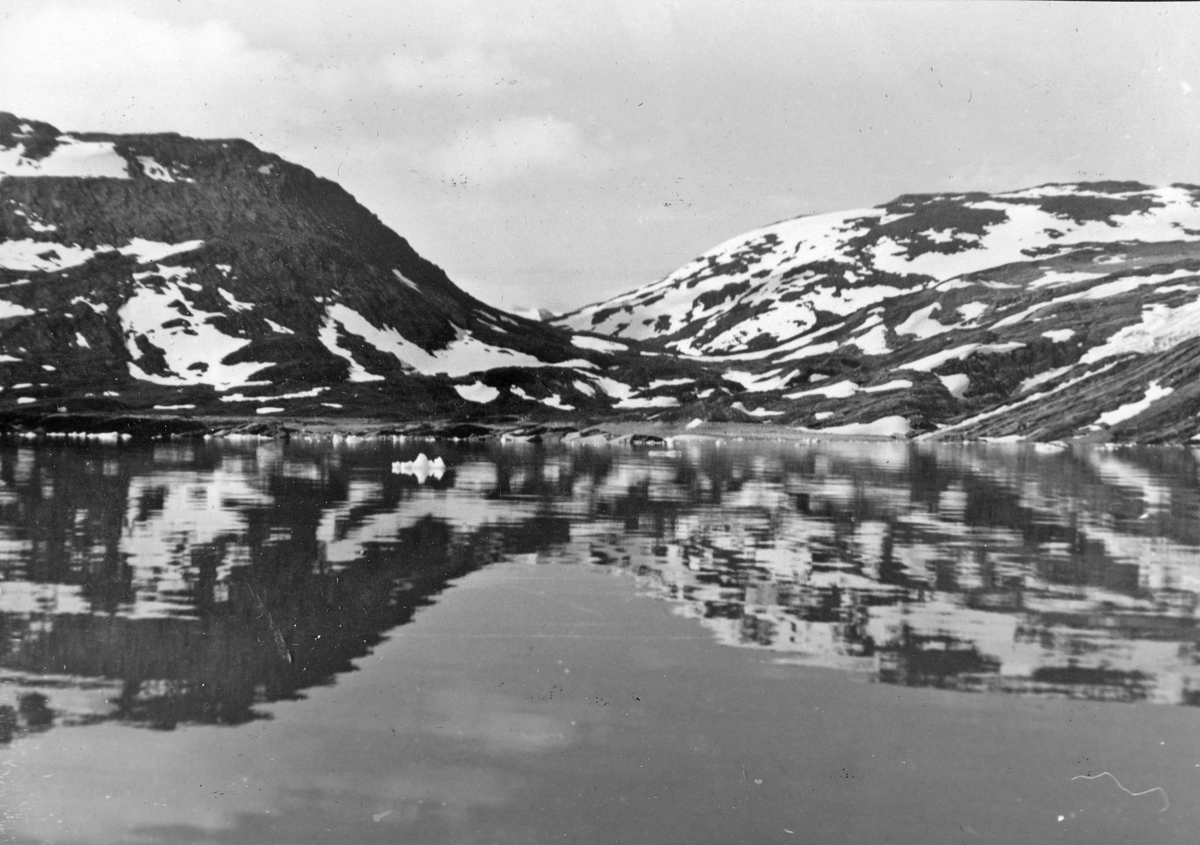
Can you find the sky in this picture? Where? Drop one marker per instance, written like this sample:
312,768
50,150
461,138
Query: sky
552,155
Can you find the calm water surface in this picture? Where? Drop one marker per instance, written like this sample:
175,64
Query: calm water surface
813,643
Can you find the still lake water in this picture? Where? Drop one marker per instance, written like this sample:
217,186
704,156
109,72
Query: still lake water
740,642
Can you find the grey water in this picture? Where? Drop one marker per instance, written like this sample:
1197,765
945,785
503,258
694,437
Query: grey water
314,642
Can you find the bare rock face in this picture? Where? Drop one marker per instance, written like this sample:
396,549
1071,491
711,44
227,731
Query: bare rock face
144,272
1058,311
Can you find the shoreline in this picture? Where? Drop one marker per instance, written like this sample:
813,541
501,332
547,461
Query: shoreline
165,427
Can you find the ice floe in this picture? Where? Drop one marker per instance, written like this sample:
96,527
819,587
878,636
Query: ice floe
422,468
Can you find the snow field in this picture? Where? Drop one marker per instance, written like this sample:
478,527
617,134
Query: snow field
71,158
192,347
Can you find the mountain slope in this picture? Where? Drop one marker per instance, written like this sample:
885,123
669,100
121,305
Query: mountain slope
1063,310
144,271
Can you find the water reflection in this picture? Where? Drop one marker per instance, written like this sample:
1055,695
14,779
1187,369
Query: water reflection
194,583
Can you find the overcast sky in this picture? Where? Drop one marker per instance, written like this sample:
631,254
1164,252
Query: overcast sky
553,154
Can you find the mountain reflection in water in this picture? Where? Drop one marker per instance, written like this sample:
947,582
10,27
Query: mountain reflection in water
190,583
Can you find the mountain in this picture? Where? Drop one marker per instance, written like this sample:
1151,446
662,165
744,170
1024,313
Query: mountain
1066,310
161,274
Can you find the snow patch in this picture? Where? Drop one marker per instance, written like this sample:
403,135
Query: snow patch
1042,378
615,389
1161,328
11,309
668,382
146,251
760,382
956,383
757,412
648,402
71,158
554,400
840,390
1113,288
233,301
102,308
873,341
892,426
41,256
405,279
476,392
193,348
299,394
155,170
922,324
597,345
1055,278
465,354
957,353
1154,392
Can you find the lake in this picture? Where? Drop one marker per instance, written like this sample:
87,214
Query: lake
716,642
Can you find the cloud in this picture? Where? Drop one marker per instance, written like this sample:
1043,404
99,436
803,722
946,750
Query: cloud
90,68
510,147
467,70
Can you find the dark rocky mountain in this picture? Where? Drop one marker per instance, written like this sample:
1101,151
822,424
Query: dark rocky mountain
1067,310
161,274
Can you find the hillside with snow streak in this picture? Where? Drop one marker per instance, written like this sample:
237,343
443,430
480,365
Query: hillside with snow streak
1058,311
156,273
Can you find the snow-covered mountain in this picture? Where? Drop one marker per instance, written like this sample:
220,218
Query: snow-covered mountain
1062,310
156,272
